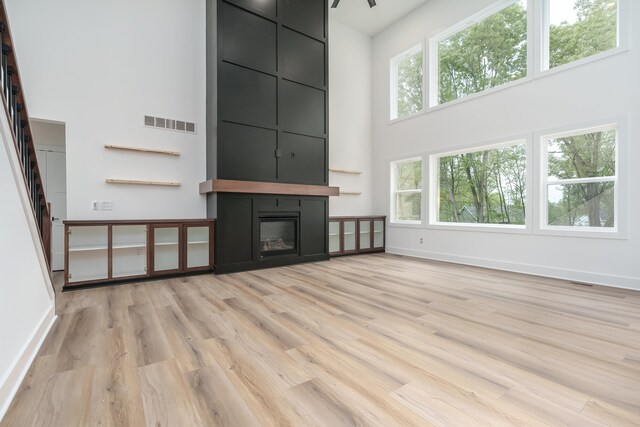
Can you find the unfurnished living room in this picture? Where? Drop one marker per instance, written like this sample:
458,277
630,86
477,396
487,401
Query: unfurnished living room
319,213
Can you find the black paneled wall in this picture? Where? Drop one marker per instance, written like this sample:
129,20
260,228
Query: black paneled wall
269,112
272,91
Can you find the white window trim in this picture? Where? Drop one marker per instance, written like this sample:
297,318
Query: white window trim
393,203
393,81
434,187
621,196
542,46
535,50
434,86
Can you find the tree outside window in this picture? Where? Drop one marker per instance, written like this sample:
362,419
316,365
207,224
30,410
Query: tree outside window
407,196
407,81
484,55
580,28
485,186
581,179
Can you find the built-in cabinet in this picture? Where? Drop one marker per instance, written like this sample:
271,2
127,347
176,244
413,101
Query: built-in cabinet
352,235
102,251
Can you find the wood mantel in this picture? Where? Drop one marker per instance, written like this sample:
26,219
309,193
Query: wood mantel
255,187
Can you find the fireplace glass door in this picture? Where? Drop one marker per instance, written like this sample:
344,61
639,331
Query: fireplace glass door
278,236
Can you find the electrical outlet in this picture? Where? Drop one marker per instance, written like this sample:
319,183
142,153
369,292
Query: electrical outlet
421,240
107,205
95,205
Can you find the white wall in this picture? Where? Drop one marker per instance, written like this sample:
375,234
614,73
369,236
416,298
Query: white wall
48,133
100,67
350,139
26,297
599,90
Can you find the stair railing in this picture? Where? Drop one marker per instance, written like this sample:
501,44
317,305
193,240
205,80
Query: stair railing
16,109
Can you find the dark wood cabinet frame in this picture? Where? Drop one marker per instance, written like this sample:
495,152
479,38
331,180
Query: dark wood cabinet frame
358,220
183,227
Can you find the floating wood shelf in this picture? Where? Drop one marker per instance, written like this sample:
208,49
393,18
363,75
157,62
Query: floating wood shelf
350,193
142,150
345,171
136,182
253,187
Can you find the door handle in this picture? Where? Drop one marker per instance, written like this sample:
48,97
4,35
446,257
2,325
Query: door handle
53,218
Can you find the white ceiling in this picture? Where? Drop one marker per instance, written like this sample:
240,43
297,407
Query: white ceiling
370,21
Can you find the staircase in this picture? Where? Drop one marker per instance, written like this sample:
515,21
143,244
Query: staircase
15,106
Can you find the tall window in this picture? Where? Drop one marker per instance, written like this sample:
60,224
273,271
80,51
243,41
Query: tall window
482,186
406,83
580,179
579,28
489,52
407,191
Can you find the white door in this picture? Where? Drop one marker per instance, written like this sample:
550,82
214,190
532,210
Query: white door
53,167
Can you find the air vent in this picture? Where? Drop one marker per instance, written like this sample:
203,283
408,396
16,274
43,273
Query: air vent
170,124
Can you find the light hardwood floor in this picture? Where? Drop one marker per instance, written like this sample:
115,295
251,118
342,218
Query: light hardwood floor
375,340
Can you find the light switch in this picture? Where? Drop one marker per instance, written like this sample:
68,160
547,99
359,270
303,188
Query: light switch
107,205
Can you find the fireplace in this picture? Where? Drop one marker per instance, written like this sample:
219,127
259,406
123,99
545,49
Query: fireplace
278,235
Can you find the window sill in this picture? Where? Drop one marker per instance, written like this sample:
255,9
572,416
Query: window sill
410,116
580,62
405,224
529,78
484,228
582,232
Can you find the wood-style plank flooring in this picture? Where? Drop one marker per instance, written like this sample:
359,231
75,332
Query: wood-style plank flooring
375,340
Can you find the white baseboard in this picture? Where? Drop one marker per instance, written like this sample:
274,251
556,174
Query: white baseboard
10,384
537,270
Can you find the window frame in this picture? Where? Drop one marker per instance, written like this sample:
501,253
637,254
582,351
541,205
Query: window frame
433,54
394,191
543,40
434,187
620,124
393,81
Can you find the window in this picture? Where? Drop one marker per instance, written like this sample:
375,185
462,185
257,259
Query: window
484,186
577,29
406,83
407,191
580,179
488,52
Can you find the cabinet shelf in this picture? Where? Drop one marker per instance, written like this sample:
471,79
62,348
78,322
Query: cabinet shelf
86,277
358,235
131,246
88,248
101,252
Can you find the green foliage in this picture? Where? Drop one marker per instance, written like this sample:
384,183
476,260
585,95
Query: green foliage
594,31
591,155
487,54
410,72
408,178
486,187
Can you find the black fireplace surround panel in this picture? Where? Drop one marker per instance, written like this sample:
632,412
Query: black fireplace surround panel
272,91
267,69
241,246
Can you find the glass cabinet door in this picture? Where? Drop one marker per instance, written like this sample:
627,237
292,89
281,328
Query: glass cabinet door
365,234
349,236
166,248
334,237
88,253
129,248
198,247
378,234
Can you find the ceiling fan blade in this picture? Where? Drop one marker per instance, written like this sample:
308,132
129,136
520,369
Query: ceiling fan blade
335,3
372,3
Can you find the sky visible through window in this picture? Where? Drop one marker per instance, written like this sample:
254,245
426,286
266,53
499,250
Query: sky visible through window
562,11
